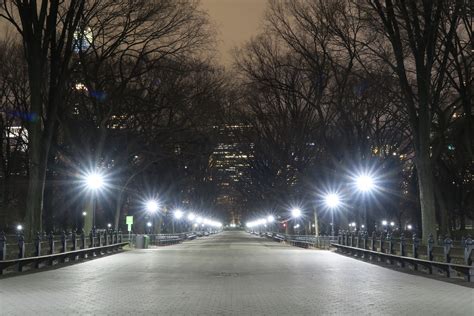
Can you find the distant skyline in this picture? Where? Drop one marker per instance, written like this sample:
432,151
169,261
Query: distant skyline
236,22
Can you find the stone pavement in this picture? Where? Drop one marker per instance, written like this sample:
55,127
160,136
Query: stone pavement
232,273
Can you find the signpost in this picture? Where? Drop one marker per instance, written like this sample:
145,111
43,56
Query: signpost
129,222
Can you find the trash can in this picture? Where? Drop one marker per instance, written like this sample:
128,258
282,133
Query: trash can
146,241
139,242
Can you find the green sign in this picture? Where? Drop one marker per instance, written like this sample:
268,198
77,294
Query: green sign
129,222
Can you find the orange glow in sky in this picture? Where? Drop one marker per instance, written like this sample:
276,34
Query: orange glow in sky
236,22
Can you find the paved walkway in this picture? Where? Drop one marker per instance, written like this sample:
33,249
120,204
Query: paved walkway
232,273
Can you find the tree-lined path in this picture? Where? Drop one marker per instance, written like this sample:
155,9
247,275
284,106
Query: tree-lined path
232,273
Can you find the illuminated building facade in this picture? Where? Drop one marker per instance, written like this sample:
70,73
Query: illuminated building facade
230,169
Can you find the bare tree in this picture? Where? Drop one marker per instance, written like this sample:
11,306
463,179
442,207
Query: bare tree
50,32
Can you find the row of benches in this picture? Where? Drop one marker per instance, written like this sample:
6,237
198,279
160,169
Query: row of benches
50,259
447,268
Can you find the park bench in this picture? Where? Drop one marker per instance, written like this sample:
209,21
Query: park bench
165,240
438,258
60,257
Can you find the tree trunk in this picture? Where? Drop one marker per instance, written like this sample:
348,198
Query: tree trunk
37,161
427,197
444,227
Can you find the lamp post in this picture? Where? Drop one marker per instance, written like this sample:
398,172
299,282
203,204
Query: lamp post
177,215
94,182
151,206
270,220
332,201
296,213
365,184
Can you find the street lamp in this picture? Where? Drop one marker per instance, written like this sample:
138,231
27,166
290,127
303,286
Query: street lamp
152,206
178,214
94,181
296,212
149,224
332,201
409,227
19,228
365,184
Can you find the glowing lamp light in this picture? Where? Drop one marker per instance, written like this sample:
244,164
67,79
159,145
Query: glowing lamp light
152,206
409,227
191,216
296,212
109,225
19,227
384,223
270,219
84,213
148,224
365,183
94,180
392,224
178,214
332,200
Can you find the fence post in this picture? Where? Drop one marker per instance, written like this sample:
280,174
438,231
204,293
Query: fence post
429,252
381,242
366,236
91,239
429,248
120,235
372,242
63,241
3,247
83,239
402,249
351,239
51,243
402,245
106,237
100,238
468,246
74,240
346,242
38,246
21,246
415,245
390,246
21,250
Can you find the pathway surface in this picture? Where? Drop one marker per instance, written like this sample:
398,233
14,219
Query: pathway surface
232,273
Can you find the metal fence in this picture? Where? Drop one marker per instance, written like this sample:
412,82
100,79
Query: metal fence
50,248
444,256
305,241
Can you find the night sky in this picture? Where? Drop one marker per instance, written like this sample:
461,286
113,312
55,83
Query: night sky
236,21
